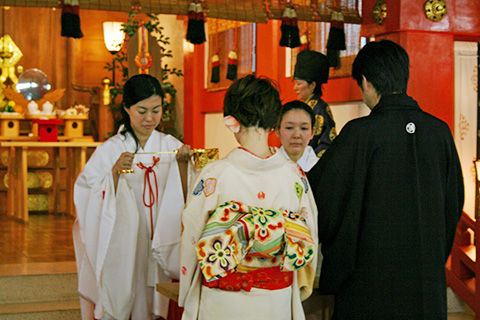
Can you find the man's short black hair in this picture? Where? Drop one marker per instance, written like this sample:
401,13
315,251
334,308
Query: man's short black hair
385,65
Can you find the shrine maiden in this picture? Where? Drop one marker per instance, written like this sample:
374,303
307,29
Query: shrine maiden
248,247
127,220
295,130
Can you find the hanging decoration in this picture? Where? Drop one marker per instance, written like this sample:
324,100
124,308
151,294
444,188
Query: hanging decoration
215,77
196,24
336,39
136,6
435,10
70,19
379,12
143,60
10,54
289,28
304,44
232,64
233,58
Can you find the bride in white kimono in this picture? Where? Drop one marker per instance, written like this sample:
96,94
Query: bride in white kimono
249,239
127,222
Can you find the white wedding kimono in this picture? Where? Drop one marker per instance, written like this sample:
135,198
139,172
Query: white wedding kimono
307,160
113,232
275,183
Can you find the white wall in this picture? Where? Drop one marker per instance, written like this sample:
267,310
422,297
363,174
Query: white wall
217,135
344,112
173,28
465,129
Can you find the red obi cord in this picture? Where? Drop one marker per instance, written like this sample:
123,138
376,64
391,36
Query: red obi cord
151,196
266,278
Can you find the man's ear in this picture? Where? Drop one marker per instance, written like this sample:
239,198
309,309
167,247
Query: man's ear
366,84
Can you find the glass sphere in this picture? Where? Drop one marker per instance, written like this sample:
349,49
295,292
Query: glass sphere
33,84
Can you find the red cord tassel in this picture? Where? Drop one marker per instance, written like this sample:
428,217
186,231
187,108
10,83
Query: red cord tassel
304,45
289,29
232,65
215,69
336,39
70,19
196,24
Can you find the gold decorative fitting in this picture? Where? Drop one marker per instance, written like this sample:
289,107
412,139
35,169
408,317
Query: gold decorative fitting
201,157
435,10
126,171
379,12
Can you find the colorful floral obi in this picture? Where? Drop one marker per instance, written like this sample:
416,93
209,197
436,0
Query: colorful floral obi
235,230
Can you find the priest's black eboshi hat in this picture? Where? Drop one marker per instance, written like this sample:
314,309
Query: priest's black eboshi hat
312,66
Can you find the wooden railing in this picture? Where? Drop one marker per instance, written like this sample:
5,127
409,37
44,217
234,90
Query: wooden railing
462,268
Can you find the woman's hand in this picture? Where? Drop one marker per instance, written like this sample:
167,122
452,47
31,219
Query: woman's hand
184,154
124,162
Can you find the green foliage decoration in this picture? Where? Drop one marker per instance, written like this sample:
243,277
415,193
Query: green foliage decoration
120,63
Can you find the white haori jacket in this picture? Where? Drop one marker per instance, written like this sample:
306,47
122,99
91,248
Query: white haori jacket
112,234
275,183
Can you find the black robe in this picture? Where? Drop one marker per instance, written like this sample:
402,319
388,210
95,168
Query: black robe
324,127
390,194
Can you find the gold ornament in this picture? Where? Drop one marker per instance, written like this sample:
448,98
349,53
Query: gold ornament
435,10
201,157
379,12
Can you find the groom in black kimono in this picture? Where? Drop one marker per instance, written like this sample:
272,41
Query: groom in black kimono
390,194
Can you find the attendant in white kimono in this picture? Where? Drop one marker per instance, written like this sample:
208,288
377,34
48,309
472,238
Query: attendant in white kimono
249,239
295,130
129,202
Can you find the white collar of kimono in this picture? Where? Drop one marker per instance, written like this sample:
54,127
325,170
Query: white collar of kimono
130,145
307,160
248,161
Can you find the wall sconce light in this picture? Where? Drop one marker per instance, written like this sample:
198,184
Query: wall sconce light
113,36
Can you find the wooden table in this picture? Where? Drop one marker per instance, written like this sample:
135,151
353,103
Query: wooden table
17,195
169,290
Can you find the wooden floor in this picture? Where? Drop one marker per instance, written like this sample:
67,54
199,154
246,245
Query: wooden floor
43,245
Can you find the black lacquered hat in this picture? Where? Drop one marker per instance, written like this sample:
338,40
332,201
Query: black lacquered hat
311,66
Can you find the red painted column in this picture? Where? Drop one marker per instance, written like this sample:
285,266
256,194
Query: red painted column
194,119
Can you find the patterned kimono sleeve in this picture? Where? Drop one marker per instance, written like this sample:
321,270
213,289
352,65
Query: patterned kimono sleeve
202,201
306,275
